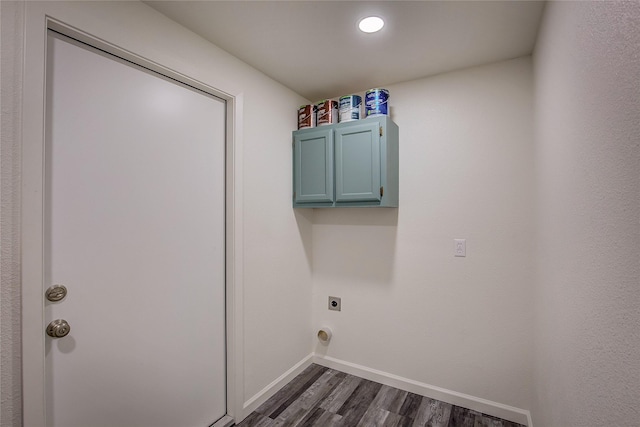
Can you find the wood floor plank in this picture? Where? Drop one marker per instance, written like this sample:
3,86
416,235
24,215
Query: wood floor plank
390,399
410,405
294,387
359,402
321,388
463,417
312,417
256,420
354,415
294,415
334,401
363,395
485,421
396,420
310,398
373,417
433,413
322,418
404,421
299,385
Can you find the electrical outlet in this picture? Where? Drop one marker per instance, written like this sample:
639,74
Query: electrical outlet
334,303
460,247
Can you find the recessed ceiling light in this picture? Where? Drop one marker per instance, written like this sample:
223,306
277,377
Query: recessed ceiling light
371,24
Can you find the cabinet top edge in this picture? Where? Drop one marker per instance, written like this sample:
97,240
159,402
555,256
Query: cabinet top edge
374,119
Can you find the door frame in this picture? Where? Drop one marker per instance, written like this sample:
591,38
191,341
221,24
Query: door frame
66,19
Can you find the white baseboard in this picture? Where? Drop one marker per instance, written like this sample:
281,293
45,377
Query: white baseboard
488,407
263,395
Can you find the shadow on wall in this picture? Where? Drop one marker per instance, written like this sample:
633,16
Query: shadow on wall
304,219
355,244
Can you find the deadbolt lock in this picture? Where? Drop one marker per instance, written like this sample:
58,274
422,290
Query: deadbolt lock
56,293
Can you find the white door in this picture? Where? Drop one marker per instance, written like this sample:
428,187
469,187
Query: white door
134,179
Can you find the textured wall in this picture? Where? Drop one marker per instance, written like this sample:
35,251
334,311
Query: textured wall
11,15
409,307
587,360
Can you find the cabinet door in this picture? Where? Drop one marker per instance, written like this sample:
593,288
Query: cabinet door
358,163
313,166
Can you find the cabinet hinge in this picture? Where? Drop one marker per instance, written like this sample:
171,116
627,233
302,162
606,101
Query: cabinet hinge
380,130
381,191
294,195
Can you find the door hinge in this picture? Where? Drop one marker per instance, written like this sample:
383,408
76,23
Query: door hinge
294,195
381,191
380,130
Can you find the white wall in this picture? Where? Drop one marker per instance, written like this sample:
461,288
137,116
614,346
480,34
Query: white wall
587,108
275,275
409,308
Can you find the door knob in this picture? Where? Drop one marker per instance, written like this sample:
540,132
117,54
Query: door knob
58,328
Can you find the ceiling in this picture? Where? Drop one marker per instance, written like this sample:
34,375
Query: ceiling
315,48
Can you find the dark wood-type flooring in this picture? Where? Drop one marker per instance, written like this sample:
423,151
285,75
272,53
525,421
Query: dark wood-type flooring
325,397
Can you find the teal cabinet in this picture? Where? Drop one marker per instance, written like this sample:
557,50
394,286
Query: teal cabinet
348,164
313,166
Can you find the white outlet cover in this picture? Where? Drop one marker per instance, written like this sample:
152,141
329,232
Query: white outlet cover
460,247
